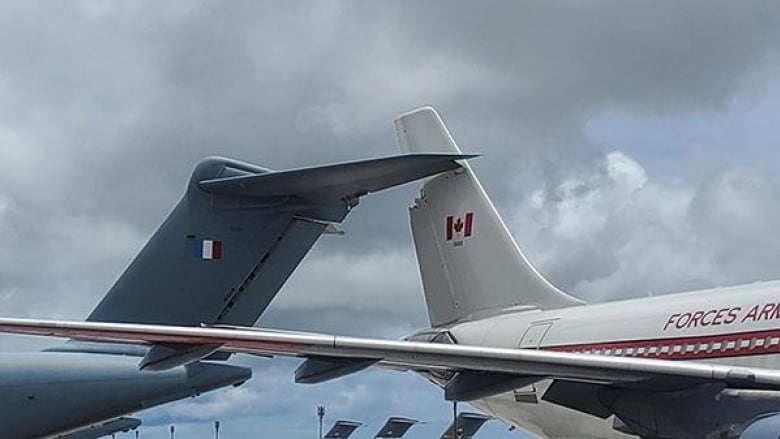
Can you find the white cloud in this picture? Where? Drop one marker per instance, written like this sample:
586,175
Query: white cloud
229,403
610,231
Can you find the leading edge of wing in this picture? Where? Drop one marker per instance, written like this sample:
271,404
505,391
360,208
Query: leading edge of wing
414,355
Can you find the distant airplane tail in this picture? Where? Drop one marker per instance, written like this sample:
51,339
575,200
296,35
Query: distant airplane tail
468,425
469,263
395,428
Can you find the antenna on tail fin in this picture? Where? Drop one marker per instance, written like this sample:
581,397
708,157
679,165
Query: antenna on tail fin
469,263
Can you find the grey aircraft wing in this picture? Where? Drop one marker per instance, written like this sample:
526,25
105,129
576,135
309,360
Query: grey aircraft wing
106,428
472,367
598,385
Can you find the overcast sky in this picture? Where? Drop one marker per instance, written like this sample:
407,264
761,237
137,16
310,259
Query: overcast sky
632,147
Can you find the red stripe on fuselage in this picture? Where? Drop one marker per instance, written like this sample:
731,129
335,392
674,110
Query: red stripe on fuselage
685,348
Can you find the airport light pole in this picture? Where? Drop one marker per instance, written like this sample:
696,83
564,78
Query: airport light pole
454,419
173,430
320,414
216,429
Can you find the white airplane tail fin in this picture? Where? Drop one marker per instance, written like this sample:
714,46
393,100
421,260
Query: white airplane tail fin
469,263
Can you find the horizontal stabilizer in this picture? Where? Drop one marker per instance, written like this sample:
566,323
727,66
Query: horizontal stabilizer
333,182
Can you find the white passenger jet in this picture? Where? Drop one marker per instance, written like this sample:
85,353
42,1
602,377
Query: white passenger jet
701,364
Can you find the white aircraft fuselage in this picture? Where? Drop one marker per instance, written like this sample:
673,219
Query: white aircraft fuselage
736,325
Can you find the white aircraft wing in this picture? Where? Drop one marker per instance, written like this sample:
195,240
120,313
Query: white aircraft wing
354,351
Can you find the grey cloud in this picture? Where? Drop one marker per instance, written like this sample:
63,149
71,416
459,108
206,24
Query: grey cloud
735,213
668,56
373,292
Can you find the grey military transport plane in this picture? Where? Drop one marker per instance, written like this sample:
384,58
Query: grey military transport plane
219,258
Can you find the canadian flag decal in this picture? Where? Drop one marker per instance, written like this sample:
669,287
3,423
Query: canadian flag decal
459,228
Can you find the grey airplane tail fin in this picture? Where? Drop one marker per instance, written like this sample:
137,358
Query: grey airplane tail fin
468,425
237,234
342,429
395,428
469,262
